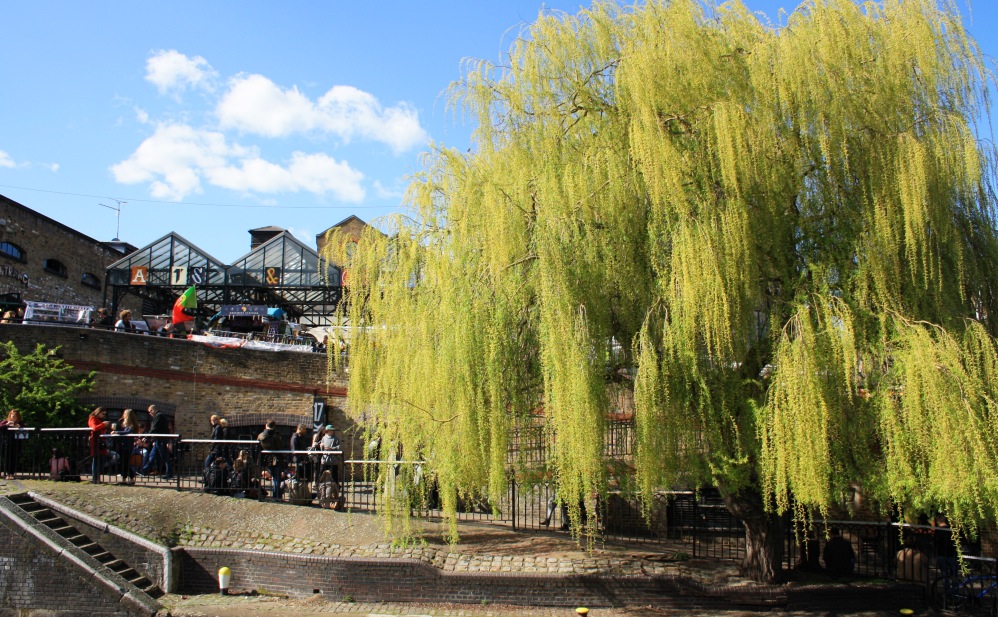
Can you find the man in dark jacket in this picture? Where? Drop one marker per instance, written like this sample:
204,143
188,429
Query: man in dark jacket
159,455
299,442
214,450
271,440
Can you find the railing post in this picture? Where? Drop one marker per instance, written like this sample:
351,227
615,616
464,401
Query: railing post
512,498
95,463
177,442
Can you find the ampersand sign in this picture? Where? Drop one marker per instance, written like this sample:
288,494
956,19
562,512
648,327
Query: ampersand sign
273,276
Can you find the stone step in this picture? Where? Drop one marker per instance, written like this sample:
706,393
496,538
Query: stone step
47,516
56,523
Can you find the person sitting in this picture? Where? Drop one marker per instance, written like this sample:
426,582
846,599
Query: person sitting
59,467
912,564
239,479
840,558
217,479
809,553
327,491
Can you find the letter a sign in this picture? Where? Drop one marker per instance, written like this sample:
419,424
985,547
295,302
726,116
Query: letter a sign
140,275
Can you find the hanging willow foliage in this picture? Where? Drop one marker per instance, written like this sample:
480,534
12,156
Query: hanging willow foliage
781,239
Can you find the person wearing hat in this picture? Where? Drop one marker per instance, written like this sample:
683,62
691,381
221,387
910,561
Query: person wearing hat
331,445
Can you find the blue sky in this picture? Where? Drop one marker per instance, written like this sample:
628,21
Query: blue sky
213,118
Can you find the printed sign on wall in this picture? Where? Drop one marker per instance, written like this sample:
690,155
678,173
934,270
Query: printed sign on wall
318,414
199,275
140,275
178,275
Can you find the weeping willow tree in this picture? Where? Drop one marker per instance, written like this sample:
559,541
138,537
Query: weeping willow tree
780,239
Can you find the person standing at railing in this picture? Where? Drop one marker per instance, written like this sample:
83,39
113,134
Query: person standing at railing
160,455
125,444
331,457
300,443
271,440
10,444
99,425
124,323
104,320
226,449
214,450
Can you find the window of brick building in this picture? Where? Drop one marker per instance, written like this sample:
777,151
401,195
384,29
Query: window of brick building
56,267
12,251
90,280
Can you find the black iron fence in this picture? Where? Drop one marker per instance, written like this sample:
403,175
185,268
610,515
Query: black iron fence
240,468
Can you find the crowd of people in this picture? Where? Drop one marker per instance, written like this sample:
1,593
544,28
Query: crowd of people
292,470
131,451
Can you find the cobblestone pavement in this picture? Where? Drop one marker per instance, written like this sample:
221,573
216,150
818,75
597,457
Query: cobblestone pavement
196,519
269,606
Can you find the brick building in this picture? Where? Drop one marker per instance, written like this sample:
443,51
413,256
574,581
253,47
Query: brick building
43,260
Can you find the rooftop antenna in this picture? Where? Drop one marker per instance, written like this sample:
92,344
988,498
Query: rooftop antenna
117,208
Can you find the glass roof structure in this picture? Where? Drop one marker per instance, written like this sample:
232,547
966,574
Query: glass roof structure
281,273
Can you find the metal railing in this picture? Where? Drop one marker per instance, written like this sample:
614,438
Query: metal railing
920,554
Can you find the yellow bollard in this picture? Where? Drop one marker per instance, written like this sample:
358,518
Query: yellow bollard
582,610
224,574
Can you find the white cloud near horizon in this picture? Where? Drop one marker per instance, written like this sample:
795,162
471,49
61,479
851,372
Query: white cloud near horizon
177,158
255,104
172,71
6,161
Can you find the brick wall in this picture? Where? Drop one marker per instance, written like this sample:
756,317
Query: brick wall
41,573
42,238
192,381
403,580
33,578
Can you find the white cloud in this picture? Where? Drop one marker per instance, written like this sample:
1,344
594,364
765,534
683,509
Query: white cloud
255,104
6,161
310,173
141,115
384,192
177,158
54,167
172,71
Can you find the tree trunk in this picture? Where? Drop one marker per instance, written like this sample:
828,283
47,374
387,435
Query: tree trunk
764,536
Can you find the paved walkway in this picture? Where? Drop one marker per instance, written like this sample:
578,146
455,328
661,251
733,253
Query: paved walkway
260,606
199,520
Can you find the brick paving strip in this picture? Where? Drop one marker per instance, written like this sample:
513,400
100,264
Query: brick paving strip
193,519
200,521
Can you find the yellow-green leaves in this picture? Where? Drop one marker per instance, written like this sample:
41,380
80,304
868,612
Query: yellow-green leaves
749,227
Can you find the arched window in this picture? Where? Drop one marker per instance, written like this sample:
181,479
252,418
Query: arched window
90,280
54,266
13,251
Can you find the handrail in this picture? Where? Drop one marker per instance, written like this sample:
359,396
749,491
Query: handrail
245,441
138,435
300,451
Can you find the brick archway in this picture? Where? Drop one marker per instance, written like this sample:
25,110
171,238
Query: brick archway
258,419
126,402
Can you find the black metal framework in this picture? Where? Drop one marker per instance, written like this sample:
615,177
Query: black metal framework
282,273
